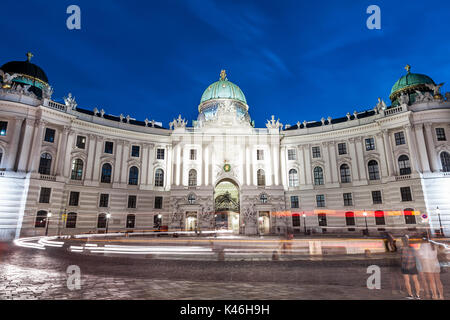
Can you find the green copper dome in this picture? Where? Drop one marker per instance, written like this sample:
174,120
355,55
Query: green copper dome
410,81
223,89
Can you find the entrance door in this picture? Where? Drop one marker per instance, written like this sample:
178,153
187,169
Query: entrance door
226,205
191,221
264,222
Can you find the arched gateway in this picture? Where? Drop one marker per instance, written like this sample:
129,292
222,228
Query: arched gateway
227,206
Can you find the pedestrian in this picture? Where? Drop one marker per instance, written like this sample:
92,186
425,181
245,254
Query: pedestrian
409,268
397,282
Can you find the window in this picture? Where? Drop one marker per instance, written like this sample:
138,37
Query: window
293,178
160,154
379,218
101,221
192,178
132,201
71,221
350,218
74,198
410,218
109,147
193,154
370,144
376,197
294,202
159,178
320,200
292,154
45,163
345,173
157,221
131,220
348,200
374,172
158,202
134,176
81,142
77,169
1,157
316,152
3,128
106,173
322,217
403,164
399,138
261,177
104,200
406,193
191,198
342,148
259,154
318,176
440,134
263,198
135,151
296,220
445,161
49,135
41,219
44,197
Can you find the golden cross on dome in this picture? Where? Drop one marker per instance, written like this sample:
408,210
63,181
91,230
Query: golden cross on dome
408,68
29,56
223,75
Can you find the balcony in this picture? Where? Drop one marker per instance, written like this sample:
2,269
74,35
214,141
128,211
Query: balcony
47,177
403,177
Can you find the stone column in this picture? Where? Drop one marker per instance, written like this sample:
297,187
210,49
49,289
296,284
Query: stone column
247,166
415,166
181,164
26,144
118,162
98,152
308,169
151,159
301,161
283,167
388,152
382,150
434,161
422,148
205,163
14,144
360,155
333,162
124,166
326,160
36,146
68,153
353,155
90,157
144,164
169,167
62,147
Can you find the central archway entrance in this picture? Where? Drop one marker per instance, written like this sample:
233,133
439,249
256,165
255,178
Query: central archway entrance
226,206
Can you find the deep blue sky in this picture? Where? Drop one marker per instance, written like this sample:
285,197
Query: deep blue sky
298,60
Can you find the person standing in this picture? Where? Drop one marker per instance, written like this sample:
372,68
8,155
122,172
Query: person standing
409,268
428,255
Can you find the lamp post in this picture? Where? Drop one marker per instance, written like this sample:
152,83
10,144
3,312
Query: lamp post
108,216
438,211
49,214
304,222
365,218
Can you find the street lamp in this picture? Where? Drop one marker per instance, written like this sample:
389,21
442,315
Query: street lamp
304,222
49,215
365,218
438,211
108,216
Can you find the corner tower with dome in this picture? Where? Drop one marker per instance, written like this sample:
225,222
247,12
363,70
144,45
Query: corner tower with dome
387,165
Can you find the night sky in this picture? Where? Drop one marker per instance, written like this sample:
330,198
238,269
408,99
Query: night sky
298,60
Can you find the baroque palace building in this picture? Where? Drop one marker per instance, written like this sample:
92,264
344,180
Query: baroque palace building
381,169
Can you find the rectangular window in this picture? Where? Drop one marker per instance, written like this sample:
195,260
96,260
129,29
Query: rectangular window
135,151
322,219
342,148
399,138
3,128
45,195
259,154
109,147
74,198
104,199
81,142
350,219
294,202
379,218
370,144
158,202
406,193
292,154
316,152
440,134
193,154
160,154
49,135
376,197
348,200
410,218
132,200
320,200
296,220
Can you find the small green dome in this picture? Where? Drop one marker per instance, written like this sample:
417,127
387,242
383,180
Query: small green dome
409,81
223,89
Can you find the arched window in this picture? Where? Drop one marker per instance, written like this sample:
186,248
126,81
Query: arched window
318,176
45,163
410,217
345,173
159,178
77,169
131,220
404,165
41,219
134,176
445,160
293,178
261,177
106,173
192,178
71,220
263,198
374,172
101,221
191,198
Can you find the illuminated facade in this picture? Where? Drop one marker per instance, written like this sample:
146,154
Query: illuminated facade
94,171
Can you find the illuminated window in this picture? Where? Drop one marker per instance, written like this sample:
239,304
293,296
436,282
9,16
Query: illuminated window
41,219
81,142
159,178
45,164
77,169
134,176
322,217
3,128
